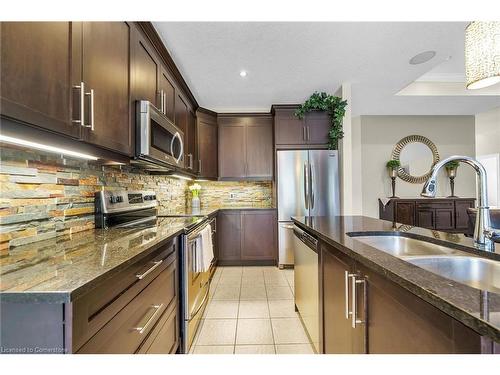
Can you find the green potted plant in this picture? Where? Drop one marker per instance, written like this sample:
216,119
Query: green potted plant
334,106
392,168
451,170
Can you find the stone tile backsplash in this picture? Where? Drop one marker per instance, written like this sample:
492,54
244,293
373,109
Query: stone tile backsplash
44,195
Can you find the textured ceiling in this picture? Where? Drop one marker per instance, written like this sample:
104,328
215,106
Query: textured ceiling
286,62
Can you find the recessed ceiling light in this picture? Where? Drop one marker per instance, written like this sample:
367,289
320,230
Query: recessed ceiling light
422,57
243,73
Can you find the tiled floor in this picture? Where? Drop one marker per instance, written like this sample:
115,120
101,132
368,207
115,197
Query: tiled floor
251,311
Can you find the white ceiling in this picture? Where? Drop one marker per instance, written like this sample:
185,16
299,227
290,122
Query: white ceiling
286,62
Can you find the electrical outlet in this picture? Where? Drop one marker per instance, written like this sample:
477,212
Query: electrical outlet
232,195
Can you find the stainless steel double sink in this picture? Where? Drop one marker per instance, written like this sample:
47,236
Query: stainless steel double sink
456,265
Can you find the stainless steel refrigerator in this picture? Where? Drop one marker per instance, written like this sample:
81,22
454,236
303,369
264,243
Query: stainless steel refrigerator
308,185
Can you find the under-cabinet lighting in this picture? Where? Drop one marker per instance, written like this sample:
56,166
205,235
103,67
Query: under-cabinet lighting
201,180
180,177
40,146
243,73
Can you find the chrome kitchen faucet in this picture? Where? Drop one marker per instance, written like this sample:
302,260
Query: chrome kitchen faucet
483,233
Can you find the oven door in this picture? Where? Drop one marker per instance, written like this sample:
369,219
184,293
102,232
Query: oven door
157,138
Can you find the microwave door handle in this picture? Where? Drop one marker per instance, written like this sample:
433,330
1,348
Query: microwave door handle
176,135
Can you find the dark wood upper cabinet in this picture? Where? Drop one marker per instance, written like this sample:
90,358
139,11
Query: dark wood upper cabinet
207,144
259,147
40,63
288,129
167,90
106,73
317,127
145,68
232,148
258,235
190,143
229,235
245,147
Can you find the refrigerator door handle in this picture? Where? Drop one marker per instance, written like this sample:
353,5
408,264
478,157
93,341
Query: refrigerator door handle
306,188
311,186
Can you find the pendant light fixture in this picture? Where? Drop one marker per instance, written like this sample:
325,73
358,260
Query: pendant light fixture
482,54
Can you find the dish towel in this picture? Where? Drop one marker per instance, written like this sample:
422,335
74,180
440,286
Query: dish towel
206,255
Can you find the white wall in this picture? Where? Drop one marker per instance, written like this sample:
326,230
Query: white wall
488,150
453,135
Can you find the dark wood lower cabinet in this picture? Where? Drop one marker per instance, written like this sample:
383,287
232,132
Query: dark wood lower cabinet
389,319
444,214
123,315
246,237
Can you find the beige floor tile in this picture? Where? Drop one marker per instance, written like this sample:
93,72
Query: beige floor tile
254,271
289,331
252,280
197,335
230,280
251,292
254,349
253,309
278,292
217,332
232,270
282,308
227,292
254,331
214,349
220,309
277,280
294,349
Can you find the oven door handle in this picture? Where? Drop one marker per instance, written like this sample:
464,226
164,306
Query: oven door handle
177,135
201,304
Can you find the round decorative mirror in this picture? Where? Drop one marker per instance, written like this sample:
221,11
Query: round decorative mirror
417,155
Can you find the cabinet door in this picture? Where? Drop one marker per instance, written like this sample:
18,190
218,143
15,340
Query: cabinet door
232,148
337,330
146,68
207,145
318,126
258,235
229,235
167,89
405,213
190,144
401,323
259,148
426,218
288,129
106,71
40,63
165,337
461,216
444,219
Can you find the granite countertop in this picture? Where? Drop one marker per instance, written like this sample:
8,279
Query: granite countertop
477,309
60,269
212,210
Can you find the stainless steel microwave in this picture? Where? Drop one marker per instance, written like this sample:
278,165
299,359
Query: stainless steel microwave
158,140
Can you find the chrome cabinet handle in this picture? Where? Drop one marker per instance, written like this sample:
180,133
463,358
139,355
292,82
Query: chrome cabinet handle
155,265
308,134
91,125
202,302
142,328
190,157
199,166
354,319
304,135
81,87
164,96
306,190
347,275
287,226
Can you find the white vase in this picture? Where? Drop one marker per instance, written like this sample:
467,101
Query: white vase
195,202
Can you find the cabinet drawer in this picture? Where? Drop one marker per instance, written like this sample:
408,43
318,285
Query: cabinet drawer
435,205
125,333
92,311
165,337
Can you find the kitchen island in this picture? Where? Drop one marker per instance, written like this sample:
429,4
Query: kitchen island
398,307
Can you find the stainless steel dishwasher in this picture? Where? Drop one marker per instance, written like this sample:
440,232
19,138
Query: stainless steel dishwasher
306,281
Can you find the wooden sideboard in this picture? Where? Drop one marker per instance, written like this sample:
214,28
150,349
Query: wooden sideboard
444,214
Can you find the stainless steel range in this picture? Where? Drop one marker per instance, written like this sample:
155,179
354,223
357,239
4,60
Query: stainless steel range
138,209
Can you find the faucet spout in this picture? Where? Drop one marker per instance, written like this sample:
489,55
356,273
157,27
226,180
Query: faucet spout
482,230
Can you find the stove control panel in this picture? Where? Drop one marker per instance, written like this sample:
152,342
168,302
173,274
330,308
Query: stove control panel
122,200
